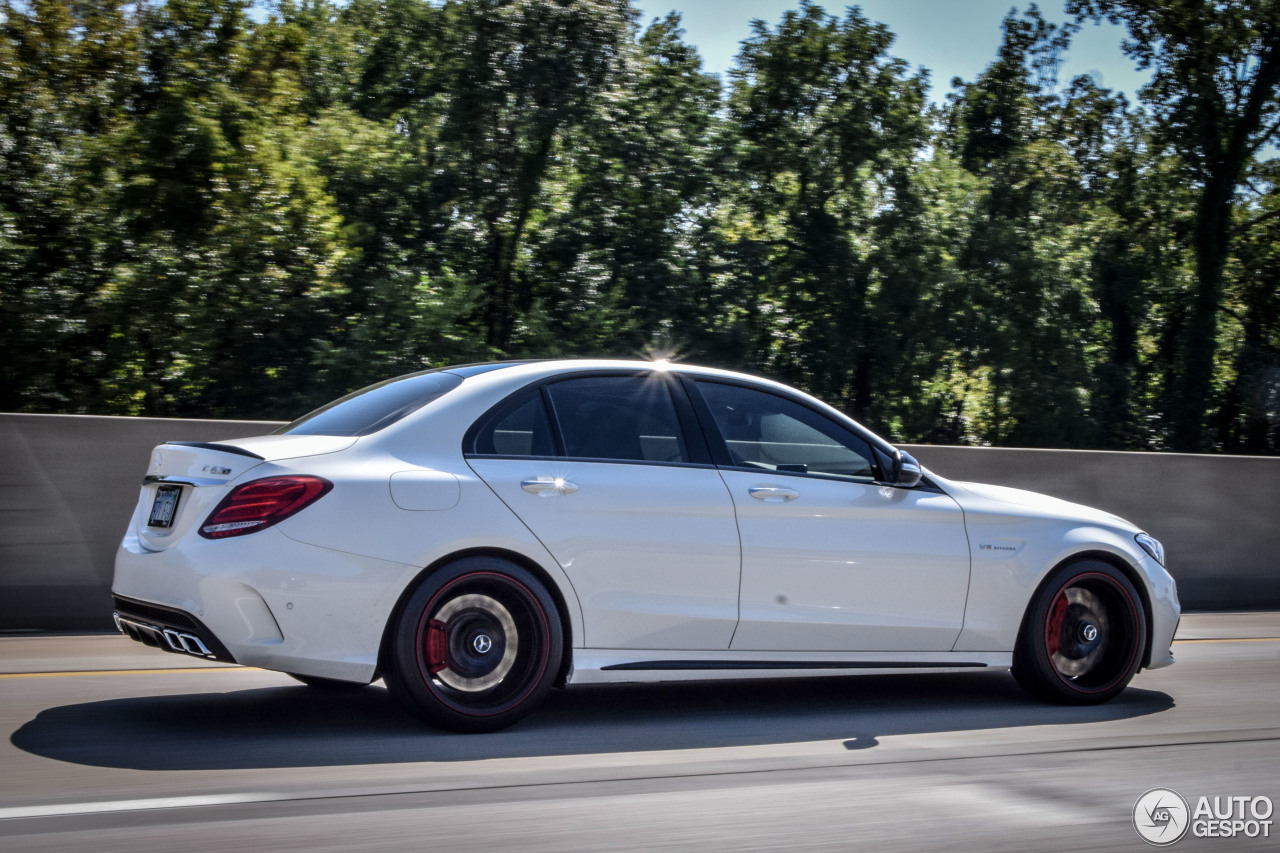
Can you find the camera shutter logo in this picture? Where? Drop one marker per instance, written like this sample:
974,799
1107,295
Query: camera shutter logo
1161,816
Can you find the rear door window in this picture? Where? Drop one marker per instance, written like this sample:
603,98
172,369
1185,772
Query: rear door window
624,418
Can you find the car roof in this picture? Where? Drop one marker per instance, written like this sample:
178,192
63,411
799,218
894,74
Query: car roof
551,366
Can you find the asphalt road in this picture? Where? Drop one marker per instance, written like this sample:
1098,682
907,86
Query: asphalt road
112,746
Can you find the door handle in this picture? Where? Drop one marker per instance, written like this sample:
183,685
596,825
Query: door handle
548,486
773,494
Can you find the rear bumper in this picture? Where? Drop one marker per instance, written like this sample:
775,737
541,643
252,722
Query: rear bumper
262,600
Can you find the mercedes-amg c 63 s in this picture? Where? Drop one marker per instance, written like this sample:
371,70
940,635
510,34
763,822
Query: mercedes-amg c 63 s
475,535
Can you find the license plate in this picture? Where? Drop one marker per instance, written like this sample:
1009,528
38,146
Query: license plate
164,507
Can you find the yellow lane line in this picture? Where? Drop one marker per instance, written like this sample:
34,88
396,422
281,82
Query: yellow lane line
130,671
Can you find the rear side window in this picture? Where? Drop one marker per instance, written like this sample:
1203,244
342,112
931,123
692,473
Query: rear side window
519,428
630,418
376,407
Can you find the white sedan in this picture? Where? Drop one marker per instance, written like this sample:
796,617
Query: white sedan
475,535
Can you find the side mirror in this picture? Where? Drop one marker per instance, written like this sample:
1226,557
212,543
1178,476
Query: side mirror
907,473
899,468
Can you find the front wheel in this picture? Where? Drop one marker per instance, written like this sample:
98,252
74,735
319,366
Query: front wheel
476,647
1083,636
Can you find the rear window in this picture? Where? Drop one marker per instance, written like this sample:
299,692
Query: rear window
376,407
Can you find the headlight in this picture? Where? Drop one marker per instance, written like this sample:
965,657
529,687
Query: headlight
1152,546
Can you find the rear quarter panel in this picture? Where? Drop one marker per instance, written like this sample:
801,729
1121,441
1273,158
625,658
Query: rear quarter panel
361,516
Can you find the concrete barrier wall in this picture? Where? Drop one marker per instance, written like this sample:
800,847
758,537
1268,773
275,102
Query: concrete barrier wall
68,485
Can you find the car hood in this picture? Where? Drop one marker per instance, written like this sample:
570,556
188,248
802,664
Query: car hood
1003,500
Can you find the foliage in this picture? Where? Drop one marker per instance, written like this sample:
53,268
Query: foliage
1215,99
213,210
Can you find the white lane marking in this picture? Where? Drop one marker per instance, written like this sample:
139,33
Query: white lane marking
63,809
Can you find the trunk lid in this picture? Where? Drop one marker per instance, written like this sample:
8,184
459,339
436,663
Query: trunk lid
185,480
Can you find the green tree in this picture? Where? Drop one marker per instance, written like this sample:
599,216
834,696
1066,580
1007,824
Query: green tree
828,127
1214,95
616,249
1249,421
375,81
522,75
1026,258
66,75
219,304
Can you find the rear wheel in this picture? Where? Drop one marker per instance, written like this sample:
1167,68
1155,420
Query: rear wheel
476,647
1083,636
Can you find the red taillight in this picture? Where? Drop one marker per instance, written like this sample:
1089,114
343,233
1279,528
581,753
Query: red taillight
262,503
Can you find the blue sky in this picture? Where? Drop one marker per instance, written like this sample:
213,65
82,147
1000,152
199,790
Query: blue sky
949,37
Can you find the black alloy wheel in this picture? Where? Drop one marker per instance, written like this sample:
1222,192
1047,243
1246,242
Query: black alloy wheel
1083,637
476,646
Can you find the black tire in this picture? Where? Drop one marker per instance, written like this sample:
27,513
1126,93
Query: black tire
476,647
1083,635
331,684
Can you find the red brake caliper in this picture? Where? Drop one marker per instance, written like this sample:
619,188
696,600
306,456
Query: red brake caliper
1053,630
437,646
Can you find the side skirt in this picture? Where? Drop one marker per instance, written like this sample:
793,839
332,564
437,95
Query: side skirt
604,666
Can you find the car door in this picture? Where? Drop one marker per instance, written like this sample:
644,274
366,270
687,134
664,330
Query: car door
832,560
611,473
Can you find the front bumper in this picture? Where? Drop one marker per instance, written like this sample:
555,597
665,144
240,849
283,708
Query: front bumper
1166,611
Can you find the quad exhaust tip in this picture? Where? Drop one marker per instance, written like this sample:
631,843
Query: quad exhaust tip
188,643
178,641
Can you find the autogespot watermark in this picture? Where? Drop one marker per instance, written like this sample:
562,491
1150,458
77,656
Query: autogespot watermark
1162,816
